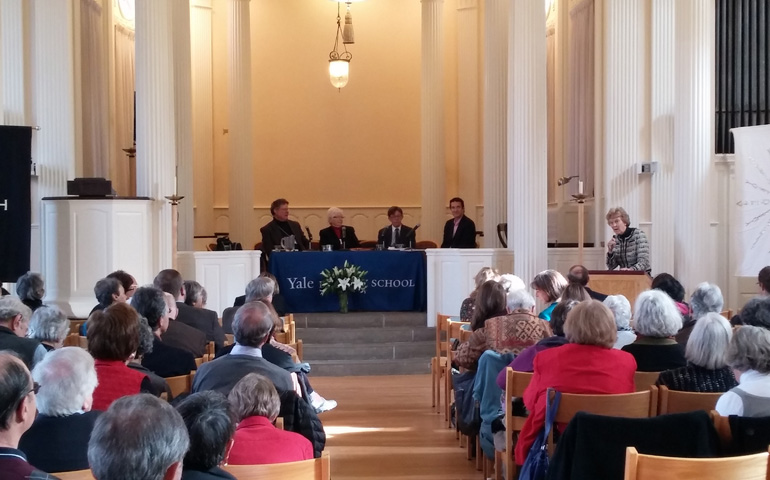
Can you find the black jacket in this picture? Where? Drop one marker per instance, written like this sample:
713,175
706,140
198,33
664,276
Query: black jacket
185,337
167,361
204,320
59,444
211,474
405,236
273,232
465,237
328,237
300,417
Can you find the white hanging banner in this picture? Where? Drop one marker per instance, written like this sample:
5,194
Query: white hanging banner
751,227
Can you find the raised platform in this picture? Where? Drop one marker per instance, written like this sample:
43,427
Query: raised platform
366,343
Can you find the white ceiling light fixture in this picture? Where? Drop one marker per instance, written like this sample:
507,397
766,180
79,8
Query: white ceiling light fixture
339,62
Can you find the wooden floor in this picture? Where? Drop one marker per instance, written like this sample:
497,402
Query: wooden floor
384,427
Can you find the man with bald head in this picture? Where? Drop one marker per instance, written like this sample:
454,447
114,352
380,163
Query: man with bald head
18,407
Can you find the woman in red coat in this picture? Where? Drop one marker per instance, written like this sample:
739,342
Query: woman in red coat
588,364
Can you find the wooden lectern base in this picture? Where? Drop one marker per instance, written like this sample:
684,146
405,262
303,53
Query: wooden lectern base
614,282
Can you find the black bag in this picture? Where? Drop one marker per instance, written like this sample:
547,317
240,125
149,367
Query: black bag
536,465
224,244
467,409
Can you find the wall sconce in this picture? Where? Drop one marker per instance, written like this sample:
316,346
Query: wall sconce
339,62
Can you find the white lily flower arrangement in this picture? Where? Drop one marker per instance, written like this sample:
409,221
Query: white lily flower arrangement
348,279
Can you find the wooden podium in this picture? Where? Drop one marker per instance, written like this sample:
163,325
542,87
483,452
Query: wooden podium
629,283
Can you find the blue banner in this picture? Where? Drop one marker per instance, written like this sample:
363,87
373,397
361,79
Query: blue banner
396,280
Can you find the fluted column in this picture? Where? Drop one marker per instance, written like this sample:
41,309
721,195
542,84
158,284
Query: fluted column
14,15
624,104
55,146
495,117
155,118
662,135
433,172
239,94
693,126
527,143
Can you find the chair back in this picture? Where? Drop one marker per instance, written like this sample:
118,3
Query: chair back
455,330
728,314
674,401
83,342
423,244
75,475
515,384
316,469
297,346
626,405
75,324
227,319
71,340
442,337
643,380
180,384
747,467
229,339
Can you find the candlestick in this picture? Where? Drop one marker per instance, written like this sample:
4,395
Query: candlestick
580,187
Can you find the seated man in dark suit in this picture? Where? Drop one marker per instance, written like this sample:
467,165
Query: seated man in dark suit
281,227
170,281
180,335
14,324
579,274
459,231
58,440
396,233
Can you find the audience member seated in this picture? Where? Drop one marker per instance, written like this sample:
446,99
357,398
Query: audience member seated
210,425
525,361
706,298
587,364
159,384
139,438
164,360
656,321
469,304
490,303
756,313
17,412
58,440
579,274
396,233
575,291
706,369
621,310
14,325
763,280
279,303
261,290
510,333
170,281
180,335
113,339
127,281
108,291
548,285
665,282
337,235
459,231
195,294
49,326
257,442
749,356
30,288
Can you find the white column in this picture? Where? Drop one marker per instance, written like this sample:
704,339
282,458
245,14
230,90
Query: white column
433,172
468,144
14,45
662,135
495,117
624,107
54,146
693,143
155,118
527,145
241,204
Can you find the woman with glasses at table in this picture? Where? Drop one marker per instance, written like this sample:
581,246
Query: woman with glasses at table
339,236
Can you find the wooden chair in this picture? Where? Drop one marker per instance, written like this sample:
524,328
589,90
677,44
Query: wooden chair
747,467
316,469
76,475
229,339
199,362
643,380
722,426
673,401
210,348
423,244
438,363
454,330
75,324
279,423
72,340
181,384
298,347
515,384
728,314
83,342
626,405
370,244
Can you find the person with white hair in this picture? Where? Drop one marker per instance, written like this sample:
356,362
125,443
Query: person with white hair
511,282
706,370
621,310
656,321
14,325
749,357
339,236
58,440
50,326
511,333
706,298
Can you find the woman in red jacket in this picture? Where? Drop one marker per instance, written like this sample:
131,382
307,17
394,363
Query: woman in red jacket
588,364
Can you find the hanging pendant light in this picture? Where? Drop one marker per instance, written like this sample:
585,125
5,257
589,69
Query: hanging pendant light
339,62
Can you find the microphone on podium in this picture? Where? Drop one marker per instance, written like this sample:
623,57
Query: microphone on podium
342,240
413,235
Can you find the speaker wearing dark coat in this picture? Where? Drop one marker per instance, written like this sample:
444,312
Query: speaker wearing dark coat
328,236
185,337
273,232
405,235
59,444
204,320
464,237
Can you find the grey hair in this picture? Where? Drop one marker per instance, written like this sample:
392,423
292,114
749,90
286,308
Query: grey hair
252,324
749,349
146,338
105,289
193,292
707,345
656,315
332,212
30,286
518,299
511,282
49,324
12,306
138,438
621,310
67,377
706,298
259,288
254,395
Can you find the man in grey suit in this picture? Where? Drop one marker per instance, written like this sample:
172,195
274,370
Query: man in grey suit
170,281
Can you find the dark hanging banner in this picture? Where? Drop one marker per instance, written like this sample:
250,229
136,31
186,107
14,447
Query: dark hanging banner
15,204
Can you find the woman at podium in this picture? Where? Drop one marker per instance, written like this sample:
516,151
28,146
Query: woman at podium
628,248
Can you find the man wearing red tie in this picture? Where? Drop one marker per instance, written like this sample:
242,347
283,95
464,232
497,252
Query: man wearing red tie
460,231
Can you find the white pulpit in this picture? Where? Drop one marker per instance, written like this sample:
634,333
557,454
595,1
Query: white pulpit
85,239
451,272
224,275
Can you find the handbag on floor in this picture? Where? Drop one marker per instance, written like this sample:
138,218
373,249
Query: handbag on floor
467,409
536,465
